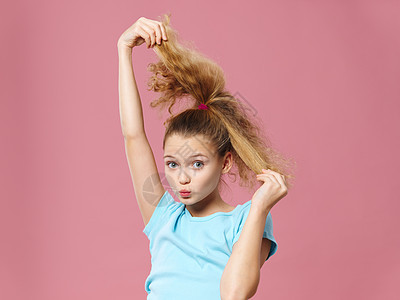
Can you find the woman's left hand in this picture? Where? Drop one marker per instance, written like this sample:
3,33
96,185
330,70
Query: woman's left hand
273,189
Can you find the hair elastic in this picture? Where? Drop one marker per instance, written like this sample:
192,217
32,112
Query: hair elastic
202,106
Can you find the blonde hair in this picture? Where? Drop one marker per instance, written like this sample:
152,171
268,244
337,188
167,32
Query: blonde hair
185,72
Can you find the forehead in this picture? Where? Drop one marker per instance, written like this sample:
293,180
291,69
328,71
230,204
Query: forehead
179,146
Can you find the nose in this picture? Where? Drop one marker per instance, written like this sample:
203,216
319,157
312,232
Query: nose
183,177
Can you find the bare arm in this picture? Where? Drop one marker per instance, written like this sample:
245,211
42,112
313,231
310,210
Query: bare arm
140,157
241,275
139,154
130,106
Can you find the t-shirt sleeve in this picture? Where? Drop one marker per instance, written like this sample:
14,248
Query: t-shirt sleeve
164,209
268,229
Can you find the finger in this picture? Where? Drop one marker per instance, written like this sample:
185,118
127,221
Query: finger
144,35
270,176
160,34
273,178
263,171
150,28
164,31
155,25
279,177
150,32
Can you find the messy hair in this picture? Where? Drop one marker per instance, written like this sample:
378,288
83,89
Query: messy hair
183,72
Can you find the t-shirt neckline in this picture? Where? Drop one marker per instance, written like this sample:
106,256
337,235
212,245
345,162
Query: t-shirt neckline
206,218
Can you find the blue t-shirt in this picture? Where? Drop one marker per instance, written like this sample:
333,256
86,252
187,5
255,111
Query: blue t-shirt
189,254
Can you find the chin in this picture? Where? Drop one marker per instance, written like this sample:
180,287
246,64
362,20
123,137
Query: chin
186,200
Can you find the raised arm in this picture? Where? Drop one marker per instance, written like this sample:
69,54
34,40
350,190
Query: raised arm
139,154
130,106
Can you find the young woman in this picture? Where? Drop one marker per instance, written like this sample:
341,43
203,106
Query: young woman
201,247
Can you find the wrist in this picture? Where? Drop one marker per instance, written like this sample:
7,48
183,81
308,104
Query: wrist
123,48
259,208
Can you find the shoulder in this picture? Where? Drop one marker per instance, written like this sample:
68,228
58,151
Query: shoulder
242,213
166,210
244,209
169,203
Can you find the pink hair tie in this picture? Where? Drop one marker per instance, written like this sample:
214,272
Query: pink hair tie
202,106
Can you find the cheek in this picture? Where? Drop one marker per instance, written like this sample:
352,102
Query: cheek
207,177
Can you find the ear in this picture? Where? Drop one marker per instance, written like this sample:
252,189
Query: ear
227,162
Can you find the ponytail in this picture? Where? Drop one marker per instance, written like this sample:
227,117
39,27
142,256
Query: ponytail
182,71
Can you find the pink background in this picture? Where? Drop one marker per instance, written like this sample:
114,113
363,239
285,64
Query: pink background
322,75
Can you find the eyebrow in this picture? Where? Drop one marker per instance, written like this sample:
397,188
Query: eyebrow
194,155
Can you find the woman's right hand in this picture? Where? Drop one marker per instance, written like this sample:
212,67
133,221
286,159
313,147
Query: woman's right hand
143,30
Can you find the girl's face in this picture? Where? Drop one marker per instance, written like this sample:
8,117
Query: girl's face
193,164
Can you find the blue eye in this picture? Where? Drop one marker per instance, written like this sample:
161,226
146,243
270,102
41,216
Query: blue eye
171,162
199,162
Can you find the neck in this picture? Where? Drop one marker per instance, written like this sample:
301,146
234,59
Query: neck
211,204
